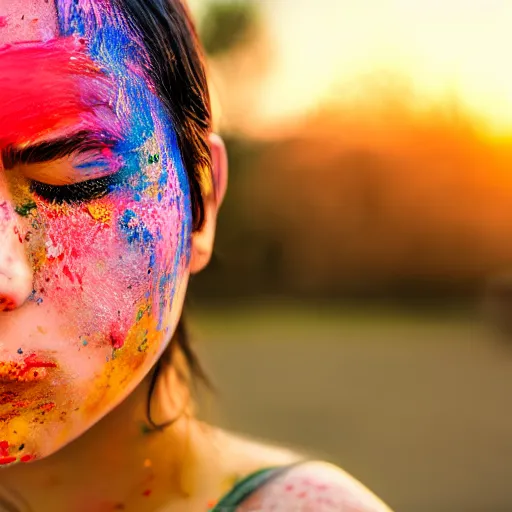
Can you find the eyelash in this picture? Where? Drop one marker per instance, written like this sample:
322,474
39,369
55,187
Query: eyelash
77,192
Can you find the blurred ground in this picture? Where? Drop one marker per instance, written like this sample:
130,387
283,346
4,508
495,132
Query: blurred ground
417,406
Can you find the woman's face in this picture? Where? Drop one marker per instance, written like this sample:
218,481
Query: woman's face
95,221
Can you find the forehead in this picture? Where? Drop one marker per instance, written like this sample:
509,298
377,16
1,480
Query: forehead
27,20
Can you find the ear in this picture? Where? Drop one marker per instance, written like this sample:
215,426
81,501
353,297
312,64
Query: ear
202,241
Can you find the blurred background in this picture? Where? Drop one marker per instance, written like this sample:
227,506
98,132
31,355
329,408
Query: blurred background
359,302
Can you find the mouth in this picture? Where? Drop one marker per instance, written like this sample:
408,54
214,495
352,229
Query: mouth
31,369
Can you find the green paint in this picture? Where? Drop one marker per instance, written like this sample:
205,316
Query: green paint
143,346
25,209
154,159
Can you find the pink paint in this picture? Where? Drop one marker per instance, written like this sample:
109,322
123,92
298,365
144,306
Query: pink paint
52,86
3,21
90,280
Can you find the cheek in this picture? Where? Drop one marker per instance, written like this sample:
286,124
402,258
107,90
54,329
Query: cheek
106,265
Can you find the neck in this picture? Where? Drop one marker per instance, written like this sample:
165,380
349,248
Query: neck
119,464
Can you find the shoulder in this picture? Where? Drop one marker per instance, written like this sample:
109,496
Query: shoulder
314,487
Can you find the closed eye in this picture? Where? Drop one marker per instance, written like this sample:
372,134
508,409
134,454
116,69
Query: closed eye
73,169
76,192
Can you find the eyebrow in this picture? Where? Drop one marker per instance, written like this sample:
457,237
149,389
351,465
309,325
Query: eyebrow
47,151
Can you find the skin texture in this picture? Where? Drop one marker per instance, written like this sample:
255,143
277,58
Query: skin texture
91,284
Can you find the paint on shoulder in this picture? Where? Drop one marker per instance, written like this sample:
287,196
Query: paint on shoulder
314,487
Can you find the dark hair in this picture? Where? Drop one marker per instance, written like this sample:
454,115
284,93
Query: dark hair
176,66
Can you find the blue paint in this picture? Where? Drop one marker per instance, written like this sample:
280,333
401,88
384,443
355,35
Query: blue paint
115,46
135,230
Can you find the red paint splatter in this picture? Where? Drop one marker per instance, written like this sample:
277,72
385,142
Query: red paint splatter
4,449
3,21
68,273
7,460
22,405
17,232
47,407
9,416
146,493
27,458
32,362
7,397
117,339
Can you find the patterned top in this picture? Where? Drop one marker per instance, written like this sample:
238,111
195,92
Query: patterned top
247,486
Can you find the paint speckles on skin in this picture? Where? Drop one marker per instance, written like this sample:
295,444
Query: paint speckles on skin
7,397
135,230
116,340
3,21
26,209
6,458
100,212
108,268
30,370
153,159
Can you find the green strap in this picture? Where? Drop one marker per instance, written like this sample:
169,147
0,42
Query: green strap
243,489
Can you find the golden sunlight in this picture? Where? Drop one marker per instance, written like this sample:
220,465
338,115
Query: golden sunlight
446,50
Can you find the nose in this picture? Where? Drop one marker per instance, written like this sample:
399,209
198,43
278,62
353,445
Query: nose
15,273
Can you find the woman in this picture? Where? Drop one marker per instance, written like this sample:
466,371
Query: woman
109,192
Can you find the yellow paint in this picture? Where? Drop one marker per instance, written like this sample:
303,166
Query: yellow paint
128,361
101,212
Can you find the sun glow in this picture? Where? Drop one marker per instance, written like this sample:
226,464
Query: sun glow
444,50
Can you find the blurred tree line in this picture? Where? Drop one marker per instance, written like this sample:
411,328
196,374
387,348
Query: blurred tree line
368,202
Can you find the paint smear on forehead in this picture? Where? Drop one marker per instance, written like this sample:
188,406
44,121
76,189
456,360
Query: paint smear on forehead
27,20
46,87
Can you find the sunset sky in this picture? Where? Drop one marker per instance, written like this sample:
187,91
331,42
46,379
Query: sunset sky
443,49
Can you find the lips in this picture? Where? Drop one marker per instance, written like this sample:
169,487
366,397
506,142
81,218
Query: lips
32,369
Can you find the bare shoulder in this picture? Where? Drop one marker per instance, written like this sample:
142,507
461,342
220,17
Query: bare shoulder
314,487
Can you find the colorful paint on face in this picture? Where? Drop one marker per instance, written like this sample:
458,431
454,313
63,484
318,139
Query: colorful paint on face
93,185
53,87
